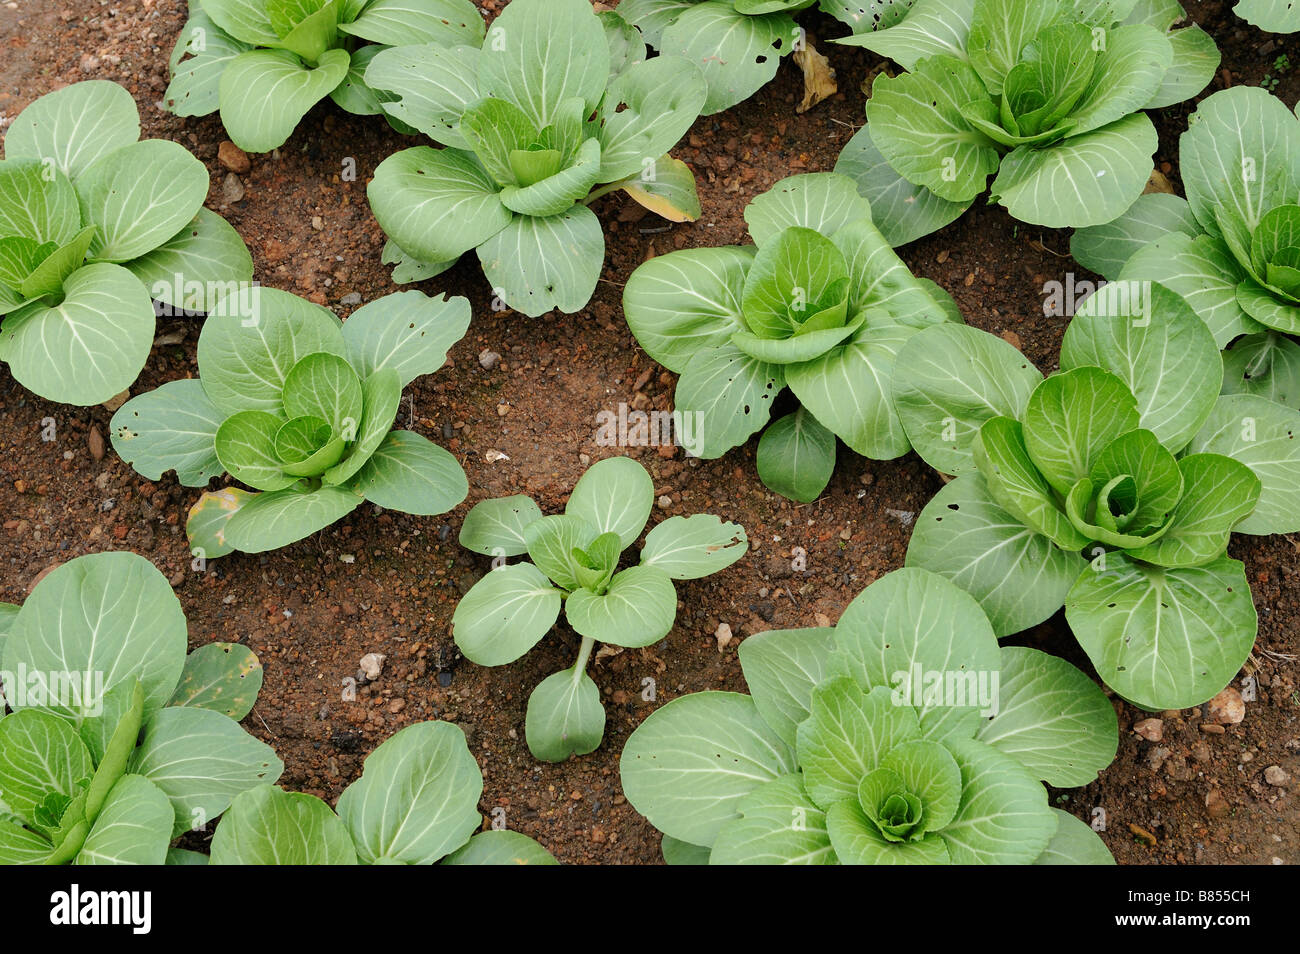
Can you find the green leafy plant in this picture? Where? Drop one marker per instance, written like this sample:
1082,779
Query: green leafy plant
1048,95
118,742
300,407
1110,487
1231,249
558,107
94,222
575,559
265,63
416,802
1272,16
903,735
821,305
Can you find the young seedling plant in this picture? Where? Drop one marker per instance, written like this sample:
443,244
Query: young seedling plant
1048,95
416,802
575,560
1110,488
300,407
1231,249
265,63
821,305
94,223
902,735
118,742
557,107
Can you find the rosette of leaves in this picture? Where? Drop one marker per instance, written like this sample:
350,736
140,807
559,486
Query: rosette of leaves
821,304
1231,249
1047,95
835,758
146,746
94,222
558,107
1110,487
415,803
575,564
300,407
265,63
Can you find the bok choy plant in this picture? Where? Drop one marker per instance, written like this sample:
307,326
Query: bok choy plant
557,107
94,223
902,735
1231,249
300,407
1110,487
265,63
1045,95
821,305
118,742
416,802
575,564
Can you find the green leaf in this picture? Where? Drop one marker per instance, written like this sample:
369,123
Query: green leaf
922,131
798,279
252,340
614,496
1263,436
678,852
1074,844
75,126
500,848
206,524
822,201
133,828
497,526
201,760
565,716
646,110
505,614
638,609
18,846
691,548
901,210
353,94
245,445
857,840
1167,358
846,735
265,93
202,52
731,394
325,386
777,824
197,265
1271,16
183,856
736,53
409,268
796,456
273,520
1019,577
1267,365
427,88
1004,817
1130,69
536,265
495,130
397,22
551,542
928,28
541,52
999,32
1015,484
269,826
417,797
689,765
1071,417
126,709
410,473
37,204
248,20
381,394
1196,60
949,379
1164,638
680,303
782,667
223,677
666,188
172,427
1155,479
626,45
1088,179
42,754
1267,307
128,624
1105,249
1219,493
48,276
544,192
103,327
1051,718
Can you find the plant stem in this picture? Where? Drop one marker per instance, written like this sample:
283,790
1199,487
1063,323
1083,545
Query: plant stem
584,653
595,194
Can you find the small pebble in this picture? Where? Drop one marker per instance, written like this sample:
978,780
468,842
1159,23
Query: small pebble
232,158
372,664
1153,730
665,502
1226,708
723,636
1276,775
488,359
